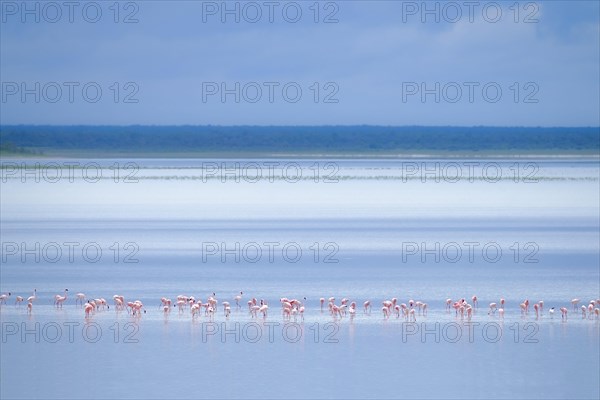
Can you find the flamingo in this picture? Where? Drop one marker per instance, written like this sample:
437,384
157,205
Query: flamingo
583,311
165,302
523,308
493,307
263,309
19,300
322,301
563,311
59,300
88,309
386,312
501,313
367,306
80,299
29,307
194,309
474,298
502,303
411,315
33,297
551,312
404,310
536,308
3,298
574,302
448,304
335,310
342,309
238,298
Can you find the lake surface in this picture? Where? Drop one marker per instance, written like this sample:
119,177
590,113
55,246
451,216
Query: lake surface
422,229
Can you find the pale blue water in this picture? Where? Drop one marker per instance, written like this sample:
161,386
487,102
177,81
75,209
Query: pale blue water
366,226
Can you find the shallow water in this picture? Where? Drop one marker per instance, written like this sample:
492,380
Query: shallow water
372,234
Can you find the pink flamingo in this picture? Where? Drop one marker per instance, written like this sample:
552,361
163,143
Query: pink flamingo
536,308
79,299
88,309
254,310
335,310
225,305
404,310
564,311
424,309
469,312
33,297
523,307
541,303
29,307
351,311
397,309
238,298
367,306
387,304
493,307
118,304
386,312
194,310
501,313
583,311
502,303
322,301
19,300
4,297
474,298
575,302
448,304
263,309
301,312
411,315
59,300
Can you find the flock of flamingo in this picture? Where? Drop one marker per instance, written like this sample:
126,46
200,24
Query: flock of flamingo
295,308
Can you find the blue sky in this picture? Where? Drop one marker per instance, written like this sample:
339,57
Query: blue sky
382,62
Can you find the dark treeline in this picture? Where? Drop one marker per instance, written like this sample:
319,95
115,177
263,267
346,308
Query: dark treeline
300,139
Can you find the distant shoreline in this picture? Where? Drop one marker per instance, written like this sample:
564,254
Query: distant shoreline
308,156
309,142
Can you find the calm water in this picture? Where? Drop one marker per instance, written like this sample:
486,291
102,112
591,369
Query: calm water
363,229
